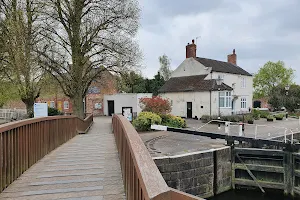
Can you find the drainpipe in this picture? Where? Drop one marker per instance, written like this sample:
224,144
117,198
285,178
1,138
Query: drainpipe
210,103
210,94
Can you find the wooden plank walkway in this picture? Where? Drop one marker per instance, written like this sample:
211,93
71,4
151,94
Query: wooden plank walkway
87,167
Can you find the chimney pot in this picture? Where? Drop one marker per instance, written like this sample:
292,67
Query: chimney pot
193,41
233,51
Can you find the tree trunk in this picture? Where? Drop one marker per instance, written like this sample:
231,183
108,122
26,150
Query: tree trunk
29,108
77,103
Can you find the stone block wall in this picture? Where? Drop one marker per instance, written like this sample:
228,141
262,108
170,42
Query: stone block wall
200,173
224,170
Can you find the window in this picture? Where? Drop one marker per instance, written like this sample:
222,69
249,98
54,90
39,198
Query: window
243,102
221,76
243,83
52,104
66,105
225,99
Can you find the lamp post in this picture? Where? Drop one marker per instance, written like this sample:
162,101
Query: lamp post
287,87
219,83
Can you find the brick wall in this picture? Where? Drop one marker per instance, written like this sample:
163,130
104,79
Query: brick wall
203,174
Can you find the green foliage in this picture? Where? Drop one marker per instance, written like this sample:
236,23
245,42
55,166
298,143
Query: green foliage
172,121
230,118
279,116
144,121
270,117
165,69
256,114
131,82
249,118
279,98
8,92
271,75
54,112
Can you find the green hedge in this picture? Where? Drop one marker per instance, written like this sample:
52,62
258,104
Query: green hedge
172,121
145,119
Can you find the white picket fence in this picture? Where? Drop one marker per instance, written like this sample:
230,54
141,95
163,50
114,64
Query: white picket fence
12,114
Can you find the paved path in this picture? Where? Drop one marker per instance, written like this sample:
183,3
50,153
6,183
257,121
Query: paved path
87,167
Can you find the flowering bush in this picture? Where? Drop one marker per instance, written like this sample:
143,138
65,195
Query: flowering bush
156,105
144,121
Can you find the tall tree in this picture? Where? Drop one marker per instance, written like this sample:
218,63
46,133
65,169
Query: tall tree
131,82
165,68
20,37
270,76
157,83
86,37
281,98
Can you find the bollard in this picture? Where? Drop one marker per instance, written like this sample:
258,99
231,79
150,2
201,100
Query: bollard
286,115
227,128
241,129
219,124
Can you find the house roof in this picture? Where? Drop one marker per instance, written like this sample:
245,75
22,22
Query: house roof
220,66
192,83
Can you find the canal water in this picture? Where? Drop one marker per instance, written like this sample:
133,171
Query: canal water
252,195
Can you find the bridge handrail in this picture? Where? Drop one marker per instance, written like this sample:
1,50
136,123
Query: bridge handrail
23,143
142,179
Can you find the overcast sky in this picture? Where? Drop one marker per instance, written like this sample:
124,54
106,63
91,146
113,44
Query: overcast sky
259,30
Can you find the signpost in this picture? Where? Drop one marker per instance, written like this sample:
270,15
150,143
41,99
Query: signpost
40,110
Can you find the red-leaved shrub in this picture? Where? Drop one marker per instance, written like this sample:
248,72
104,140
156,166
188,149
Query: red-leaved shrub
156,105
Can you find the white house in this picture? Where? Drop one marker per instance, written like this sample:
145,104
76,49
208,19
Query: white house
202,86
118,103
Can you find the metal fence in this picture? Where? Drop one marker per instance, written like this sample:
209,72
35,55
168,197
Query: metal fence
142,179
23,143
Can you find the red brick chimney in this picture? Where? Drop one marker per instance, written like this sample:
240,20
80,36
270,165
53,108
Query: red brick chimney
231,58
191,50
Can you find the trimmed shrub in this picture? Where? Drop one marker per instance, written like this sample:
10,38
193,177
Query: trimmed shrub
270,118
279,116
264,114
144,121
256,114
172,121
54,112
249,119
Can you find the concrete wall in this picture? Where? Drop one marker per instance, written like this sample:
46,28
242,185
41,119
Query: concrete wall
203,174
124,100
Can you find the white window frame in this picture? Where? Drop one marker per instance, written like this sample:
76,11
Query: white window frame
68,105
52,104
243,103
221,76
226,95
243,82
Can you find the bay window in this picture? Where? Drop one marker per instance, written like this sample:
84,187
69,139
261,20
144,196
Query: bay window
225,99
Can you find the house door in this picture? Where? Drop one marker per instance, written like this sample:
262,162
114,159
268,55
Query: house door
111,107
189,112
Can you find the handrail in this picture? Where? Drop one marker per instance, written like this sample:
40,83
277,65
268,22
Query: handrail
23,143
142,179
